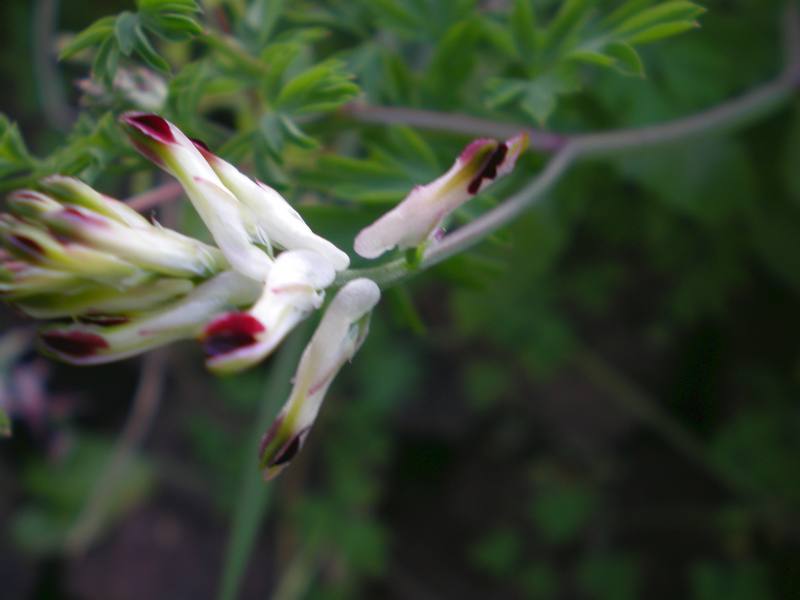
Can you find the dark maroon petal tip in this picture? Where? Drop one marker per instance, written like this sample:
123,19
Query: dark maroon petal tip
290,449
201,146
78,344
84,217
150,125
230,332
285,453
489,169
26,244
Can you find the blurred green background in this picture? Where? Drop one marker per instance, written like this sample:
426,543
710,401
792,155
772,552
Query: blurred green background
601,403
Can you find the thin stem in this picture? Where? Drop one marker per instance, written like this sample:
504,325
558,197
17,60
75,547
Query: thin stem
162,194
724,117
545,141
727,116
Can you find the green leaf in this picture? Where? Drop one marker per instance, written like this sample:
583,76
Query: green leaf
625,10
14,156
147,53
94,35
273,134
566,22
277,57
628,60
592,57
176,6
659,32
452,63
295,135
321,88
262,16
522,22
125,31
665,12
176,27
104,66
172,20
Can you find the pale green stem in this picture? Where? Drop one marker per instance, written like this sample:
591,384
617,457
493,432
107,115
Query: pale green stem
253,496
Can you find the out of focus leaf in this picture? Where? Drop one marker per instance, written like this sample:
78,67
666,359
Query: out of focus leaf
59,493
14,156
746,581
561,510
609,577
499,553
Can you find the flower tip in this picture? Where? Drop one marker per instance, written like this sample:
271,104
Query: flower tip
73,346
230,332
369,243
151,125
276,453
203,148
475,146
358,297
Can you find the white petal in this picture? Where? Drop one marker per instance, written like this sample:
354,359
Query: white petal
274,215
416,218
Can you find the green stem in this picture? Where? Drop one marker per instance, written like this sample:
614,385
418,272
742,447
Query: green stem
253,496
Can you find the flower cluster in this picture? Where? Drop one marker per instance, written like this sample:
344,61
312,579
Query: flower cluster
113,284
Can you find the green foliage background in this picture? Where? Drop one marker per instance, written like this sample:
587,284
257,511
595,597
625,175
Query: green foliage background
600,401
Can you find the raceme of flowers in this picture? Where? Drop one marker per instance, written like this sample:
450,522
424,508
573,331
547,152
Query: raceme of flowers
111,284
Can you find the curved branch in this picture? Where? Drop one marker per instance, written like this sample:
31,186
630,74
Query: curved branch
727,116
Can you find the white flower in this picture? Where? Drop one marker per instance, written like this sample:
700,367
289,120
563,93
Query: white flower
228,221
417,218
338,337
237,340
276,218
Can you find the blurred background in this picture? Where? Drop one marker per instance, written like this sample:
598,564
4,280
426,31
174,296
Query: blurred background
600,403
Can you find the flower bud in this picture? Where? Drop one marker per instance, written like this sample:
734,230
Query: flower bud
417,218
341,332
227,220
92,301
82,344
149,247
72,191
40,248
277,218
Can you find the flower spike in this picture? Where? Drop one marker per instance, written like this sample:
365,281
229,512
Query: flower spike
417,218
227,220
92,344
272,213
338,337
235,341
